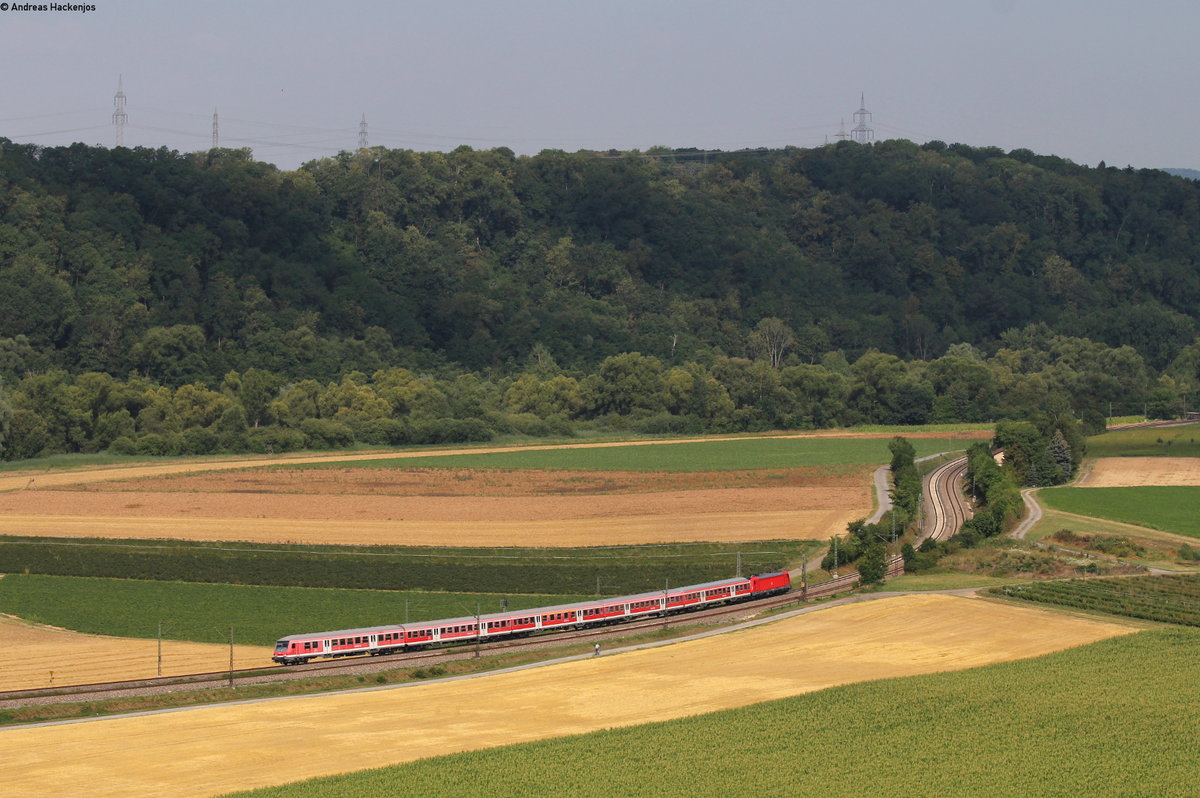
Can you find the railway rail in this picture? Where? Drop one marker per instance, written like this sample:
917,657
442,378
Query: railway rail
947,507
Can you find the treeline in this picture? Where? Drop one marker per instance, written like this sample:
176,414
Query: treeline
1044,379
184,267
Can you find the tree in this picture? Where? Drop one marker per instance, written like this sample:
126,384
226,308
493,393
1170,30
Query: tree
872,565
1060,453
772,339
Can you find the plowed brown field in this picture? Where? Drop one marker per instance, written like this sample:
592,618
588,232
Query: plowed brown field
1121,472
433,507
215,750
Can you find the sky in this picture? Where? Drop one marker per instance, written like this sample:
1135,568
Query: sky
1087,80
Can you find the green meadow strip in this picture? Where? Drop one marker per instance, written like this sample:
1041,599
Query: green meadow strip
1180,441
720,455
204,613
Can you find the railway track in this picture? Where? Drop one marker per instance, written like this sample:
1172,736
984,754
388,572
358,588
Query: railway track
946,505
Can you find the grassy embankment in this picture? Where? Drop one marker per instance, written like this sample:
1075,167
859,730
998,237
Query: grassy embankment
1032,727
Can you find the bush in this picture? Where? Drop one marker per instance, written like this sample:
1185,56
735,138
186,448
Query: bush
381,431
1188,554
271,440
321,433
450,430
122,445
198,440
157,445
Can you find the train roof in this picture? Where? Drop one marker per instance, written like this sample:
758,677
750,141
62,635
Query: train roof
365,630
650,594
492,616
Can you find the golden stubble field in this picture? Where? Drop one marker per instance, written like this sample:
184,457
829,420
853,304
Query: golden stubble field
1122,472
215,750
42,656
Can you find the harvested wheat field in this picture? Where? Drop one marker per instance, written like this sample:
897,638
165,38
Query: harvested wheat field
266,743
1129,472
42,656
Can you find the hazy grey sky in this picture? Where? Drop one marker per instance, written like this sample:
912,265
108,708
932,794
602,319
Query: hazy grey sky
1089,80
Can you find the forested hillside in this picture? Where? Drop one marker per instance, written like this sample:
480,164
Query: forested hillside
674,290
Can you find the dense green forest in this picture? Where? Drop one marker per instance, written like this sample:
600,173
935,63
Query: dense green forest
160,302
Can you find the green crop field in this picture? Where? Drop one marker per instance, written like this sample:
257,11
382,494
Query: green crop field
1169,599
616,569
204,613
722,455
1181,441
1110,718
1167,508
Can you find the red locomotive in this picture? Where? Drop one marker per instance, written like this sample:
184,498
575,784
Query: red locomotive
296,649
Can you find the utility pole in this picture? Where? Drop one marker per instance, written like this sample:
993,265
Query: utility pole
216,135
231,658
666,600
478,630
160,649
739,564
804,581
362,133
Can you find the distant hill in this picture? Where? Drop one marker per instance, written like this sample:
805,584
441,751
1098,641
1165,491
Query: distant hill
1190,174
183,267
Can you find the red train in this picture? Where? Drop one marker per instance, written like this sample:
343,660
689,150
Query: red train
296,649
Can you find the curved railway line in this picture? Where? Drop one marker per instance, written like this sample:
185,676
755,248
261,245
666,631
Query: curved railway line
947,506
946,509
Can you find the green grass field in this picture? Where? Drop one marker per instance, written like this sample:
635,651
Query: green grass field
203,613
1105,719
1181,441
723,455
1167,508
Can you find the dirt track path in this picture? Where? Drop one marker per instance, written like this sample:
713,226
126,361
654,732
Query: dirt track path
265,743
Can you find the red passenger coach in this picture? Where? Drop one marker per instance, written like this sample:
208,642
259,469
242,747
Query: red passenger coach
375,640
